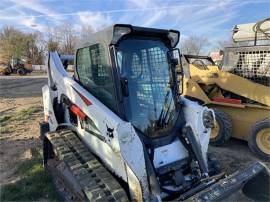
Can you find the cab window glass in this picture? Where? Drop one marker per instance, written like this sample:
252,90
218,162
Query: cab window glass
95,75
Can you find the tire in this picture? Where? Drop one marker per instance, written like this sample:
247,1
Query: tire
21,71
224,127
6,73
259,139
214,166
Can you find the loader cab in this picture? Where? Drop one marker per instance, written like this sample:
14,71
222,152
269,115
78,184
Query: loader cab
134,74
147,85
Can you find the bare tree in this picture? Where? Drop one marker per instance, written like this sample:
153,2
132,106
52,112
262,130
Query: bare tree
12,43
32,46
52,39
194,45
52,45
61,39
85,33
19,45
32,52
68,39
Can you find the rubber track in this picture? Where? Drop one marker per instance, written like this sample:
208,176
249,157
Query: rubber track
96,181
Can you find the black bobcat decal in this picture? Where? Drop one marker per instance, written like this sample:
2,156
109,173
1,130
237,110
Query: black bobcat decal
110,131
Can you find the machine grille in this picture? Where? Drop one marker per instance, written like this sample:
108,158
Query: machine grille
152,79
252,63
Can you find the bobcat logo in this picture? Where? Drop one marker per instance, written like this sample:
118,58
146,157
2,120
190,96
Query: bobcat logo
110,131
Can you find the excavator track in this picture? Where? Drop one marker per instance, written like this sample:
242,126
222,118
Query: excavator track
94,180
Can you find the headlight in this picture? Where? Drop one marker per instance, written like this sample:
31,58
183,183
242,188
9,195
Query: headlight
208,119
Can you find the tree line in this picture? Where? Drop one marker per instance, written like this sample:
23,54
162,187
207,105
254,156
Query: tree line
33,46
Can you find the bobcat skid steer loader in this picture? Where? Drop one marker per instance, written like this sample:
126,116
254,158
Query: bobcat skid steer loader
118,130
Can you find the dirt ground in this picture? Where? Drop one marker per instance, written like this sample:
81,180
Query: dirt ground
17,93
17,143
235,155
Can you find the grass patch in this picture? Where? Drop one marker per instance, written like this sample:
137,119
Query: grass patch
23,115
5,129
35,183
4,118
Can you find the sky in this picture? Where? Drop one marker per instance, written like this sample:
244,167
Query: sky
213,19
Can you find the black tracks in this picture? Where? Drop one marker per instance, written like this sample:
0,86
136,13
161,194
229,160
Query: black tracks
96,182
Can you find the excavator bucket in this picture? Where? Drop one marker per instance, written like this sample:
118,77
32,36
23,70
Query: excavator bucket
254,182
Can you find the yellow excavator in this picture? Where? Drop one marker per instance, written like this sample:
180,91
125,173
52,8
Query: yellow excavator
238,92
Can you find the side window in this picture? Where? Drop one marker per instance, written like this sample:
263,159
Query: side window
84,66
95,75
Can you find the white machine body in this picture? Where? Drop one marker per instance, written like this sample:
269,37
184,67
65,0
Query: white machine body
122,151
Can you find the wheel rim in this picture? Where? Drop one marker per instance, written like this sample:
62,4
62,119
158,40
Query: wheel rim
263,140
215,131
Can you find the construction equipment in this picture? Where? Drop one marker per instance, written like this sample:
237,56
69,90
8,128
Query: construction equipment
15,65
119,130
242,107
4,69
239,93
253,32
20,66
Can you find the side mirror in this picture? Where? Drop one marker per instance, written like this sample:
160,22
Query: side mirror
174,59
124,87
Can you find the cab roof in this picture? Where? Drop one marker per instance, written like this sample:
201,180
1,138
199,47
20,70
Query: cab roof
106,35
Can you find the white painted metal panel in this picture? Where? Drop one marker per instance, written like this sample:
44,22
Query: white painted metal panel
169,153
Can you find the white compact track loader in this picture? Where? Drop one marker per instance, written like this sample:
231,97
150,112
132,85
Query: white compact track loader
119,130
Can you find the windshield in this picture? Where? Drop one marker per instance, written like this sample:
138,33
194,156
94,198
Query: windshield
150,104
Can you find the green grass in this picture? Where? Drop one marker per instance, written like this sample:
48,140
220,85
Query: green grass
5,129
34,184
18,118
21,116
4,118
